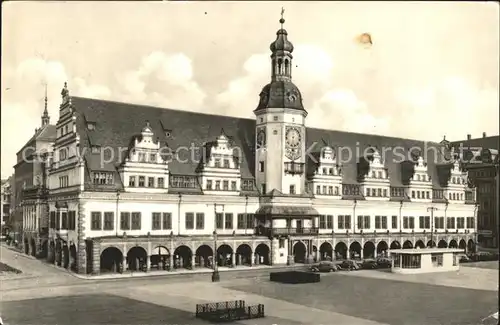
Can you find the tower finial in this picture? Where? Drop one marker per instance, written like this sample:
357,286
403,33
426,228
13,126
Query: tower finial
45,115
45,97
282,20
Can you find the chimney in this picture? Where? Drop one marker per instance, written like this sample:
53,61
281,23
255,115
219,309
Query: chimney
484,134
468,137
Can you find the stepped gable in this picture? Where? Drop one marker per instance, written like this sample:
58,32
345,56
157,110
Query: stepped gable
117,123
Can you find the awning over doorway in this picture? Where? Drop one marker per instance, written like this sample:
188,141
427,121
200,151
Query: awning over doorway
292,211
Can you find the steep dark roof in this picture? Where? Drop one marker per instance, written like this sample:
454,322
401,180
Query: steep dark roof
280,93
491,142
45,133
117,123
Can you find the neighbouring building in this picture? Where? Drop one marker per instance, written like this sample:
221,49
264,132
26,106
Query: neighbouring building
138,187
30,178
6,197
481,162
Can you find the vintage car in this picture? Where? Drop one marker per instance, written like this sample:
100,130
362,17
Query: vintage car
349,265
369,264
384,263
324,266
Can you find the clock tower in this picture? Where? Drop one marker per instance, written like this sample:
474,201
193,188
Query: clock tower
280,126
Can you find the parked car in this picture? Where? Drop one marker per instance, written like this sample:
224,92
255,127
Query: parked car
349,265
369,264
464,258
384,263
324,266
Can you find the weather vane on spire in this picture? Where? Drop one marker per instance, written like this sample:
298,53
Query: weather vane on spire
282,20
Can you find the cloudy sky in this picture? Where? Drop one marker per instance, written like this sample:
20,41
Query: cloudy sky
432,69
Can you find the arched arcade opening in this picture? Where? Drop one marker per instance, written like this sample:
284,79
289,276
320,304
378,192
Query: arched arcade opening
369,250
137,259
204,256
395,245
182,257
463,245
65,256
244,255
355,250
431,244
442,244
453,244
73,256
111,260
341,251
407,244
262,254
33,247
471,246
326,251
419,244
224,255
160,258
382,248
299,252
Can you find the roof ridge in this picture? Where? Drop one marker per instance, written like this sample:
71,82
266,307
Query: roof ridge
243,118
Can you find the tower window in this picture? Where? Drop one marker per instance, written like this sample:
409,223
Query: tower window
261,120
275,118
292,189
275,132
261,166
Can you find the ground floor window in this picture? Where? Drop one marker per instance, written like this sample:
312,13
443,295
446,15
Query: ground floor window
437,260
397,260
411,261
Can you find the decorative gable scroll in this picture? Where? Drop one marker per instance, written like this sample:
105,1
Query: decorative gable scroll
144,168
327,176
220,169
373,176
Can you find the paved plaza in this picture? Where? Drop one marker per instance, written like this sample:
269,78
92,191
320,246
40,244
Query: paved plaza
52,296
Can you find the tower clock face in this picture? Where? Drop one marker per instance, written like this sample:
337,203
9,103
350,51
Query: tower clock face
293,140
261,138
293,137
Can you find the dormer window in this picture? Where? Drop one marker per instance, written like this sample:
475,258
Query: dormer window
226,163
217,163
91,126
152,157
374,175
324,171
95,149
331,171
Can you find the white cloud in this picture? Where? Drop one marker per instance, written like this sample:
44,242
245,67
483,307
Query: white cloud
163,80
314,72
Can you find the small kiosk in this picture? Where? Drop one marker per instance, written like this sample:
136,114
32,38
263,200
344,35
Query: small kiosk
425,260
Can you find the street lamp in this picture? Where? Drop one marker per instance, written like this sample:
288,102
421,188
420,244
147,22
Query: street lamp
432,209
215,274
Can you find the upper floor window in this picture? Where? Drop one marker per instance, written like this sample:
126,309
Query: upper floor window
142,180
226,163
292,189
247,185
131,181
233,186
63,154
161,182
209,184
261,166
102,178
151,182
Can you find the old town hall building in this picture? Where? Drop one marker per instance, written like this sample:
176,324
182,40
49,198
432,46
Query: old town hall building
137,187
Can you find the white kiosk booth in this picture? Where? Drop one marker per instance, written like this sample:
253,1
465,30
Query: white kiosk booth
425,260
